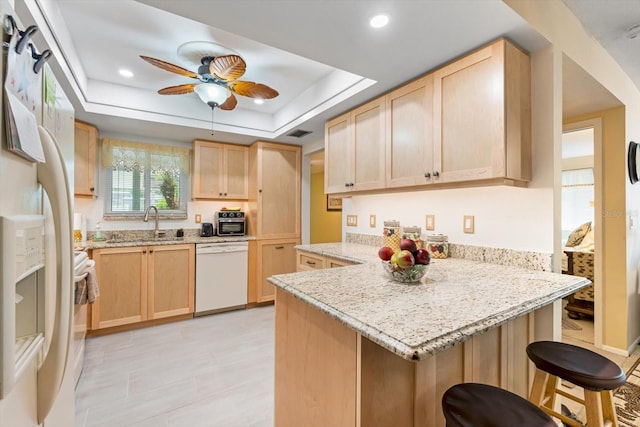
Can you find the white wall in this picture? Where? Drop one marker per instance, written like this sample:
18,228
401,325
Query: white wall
504,217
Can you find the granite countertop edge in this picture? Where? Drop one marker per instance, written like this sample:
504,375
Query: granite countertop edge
86,245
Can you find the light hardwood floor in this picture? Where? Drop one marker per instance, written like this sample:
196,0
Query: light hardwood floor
208,371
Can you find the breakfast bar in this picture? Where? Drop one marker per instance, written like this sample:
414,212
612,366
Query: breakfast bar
354,348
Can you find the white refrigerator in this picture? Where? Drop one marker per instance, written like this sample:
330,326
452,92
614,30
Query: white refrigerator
37,384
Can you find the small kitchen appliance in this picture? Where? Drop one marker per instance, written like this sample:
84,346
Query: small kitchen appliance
207,229
230,223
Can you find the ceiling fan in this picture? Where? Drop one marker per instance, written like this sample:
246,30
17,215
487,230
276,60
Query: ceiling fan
217,75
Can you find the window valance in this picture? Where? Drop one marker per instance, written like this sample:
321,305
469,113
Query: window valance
137,155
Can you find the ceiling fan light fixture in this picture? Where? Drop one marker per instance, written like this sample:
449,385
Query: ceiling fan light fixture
212,94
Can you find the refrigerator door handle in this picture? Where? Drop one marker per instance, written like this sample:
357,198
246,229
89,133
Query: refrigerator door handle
52,175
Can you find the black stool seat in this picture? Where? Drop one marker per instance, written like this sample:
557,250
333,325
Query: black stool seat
481,405
577,365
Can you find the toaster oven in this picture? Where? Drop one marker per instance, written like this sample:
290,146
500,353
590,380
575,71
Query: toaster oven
230,223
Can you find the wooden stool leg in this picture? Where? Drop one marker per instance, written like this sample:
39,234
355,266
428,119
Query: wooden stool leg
538,388
550,392
594,408
608,409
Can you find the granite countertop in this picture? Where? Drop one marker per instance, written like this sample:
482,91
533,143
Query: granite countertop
169,240
457,298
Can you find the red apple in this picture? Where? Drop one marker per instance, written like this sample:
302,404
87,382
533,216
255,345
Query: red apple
422,257
405,259
408,245
385,253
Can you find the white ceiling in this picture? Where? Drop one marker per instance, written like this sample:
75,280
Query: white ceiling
321,56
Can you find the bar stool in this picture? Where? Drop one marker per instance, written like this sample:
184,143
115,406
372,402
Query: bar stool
596,374
482,405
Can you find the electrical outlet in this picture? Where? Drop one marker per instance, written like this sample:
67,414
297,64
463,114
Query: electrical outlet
352,220
372,221
198,218
430,222
467,224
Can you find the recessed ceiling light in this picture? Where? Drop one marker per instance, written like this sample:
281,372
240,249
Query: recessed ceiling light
125,73
379,21
259,101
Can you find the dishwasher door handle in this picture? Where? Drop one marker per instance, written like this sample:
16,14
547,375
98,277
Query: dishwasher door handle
207,251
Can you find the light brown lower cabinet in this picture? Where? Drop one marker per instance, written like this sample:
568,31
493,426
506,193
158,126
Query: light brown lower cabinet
268,258
143,283
327,374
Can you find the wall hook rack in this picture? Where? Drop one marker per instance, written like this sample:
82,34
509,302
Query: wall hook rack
10,27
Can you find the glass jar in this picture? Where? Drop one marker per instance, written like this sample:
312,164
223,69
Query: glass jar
438,245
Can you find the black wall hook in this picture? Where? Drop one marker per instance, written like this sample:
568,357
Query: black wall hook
24,38
40,58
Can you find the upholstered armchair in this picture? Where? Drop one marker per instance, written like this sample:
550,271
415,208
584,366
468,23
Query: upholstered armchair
579,252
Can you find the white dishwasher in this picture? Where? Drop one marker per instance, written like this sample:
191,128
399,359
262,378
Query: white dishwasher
221,276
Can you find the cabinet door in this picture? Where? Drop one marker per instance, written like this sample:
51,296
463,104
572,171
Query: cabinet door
469,116
409,128
279,191
338,152
122,277
236,176
85,149
208,170
277,257
368,122
171,280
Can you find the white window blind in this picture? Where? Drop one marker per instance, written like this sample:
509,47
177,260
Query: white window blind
139,175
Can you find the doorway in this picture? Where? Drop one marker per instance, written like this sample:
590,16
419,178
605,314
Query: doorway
325,219
578,224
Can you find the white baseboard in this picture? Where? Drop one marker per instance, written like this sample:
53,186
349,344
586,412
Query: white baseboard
618,351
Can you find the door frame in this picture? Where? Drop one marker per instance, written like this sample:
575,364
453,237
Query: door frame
596,125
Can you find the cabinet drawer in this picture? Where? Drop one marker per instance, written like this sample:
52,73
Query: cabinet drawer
333,263
307,261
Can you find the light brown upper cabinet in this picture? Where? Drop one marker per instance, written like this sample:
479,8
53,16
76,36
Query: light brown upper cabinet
220,171
482,116
355,149
409,138
85,155
274,195
467,122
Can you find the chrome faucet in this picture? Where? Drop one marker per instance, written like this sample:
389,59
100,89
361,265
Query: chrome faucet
157,233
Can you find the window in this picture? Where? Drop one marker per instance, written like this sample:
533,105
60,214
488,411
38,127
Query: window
578,193
140,175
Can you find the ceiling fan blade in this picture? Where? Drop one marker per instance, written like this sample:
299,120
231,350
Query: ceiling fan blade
228,67
229,104
167,66
252,90
178,90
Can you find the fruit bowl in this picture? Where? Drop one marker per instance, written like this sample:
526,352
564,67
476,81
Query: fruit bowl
405,275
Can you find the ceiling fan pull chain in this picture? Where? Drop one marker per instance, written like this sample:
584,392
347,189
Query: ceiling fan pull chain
212,130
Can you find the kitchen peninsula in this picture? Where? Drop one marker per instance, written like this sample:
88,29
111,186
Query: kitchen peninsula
354,348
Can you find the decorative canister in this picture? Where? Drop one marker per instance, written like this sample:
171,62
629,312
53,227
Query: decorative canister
438,245
413,233
391,232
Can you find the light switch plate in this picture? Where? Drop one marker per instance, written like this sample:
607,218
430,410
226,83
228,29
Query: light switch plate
198,218
467,225
430,222
372,221
352,220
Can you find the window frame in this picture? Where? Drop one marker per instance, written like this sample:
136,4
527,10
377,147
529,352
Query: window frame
175,214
